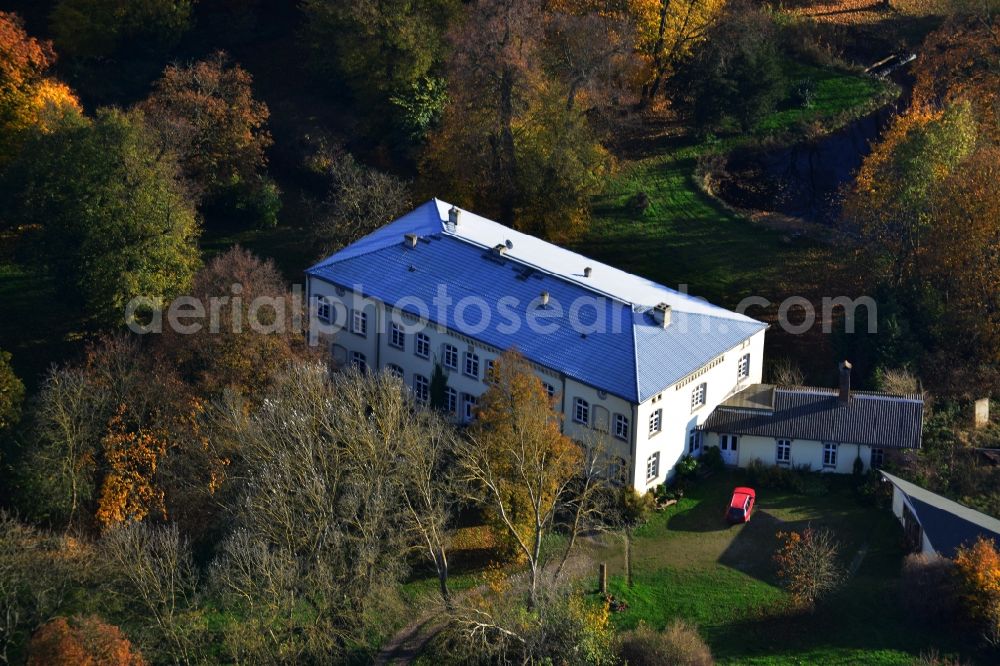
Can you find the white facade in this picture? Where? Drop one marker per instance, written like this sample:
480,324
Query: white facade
811,454
678,417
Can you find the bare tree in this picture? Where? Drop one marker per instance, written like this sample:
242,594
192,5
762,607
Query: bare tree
431,492
786,372
325,490
592,54
63,454
153,566
261,580
590,498
360,200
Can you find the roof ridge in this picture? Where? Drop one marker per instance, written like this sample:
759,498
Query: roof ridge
825,390
549,272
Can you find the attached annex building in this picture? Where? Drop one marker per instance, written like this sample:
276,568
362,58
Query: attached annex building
816,428
443,287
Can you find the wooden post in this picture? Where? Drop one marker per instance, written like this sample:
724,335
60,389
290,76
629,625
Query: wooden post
602,580
628,556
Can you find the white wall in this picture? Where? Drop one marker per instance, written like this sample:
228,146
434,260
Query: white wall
804,452
678,419
675,401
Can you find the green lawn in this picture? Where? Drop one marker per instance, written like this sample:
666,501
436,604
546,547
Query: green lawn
689,564
685,236
839,97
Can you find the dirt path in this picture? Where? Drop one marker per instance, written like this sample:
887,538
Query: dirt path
409,641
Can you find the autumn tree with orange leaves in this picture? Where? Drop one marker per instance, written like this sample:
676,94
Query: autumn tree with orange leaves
978,568
29,96
926,205
528,156
81,641
517,463
130,491
960,62
207,114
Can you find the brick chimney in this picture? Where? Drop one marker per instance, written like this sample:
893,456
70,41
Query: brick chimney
845,381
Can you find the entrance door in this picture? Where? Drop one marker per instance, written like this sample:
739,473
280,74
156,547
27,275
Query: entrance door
729,445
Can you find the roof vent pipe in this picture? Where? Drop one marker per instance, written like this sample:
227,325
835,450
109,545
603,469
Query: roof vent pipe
410,240
587,271
845,381
545,298
453,216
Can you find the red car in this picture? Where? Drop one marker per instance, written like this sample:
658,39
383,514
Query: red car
741,506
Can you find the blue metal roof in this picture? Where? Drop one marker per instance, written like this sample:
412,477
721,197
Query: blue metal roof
610,343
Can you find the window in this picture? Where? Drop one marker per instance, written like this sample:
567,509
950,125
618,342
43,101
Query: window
550,390
653,466
359,361
421,389
359,323
323,310
656,421
783,454
694,442
451,357
829,454
397,338
472,365
581,411
394,370
469,407
878,458
621,426
698,396
489,370
422,346
743,371
451,400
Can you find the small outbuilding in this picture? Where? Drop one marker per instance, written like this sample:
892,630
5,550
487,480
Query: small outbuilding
936,524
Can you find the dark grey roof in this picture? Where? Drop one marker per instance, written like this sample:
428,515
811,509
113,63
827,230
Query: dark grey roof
946,524
874,419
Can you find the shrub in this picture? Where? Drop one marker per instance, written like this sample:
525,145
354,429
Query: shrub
928,587
807,564
677,645
804,94
712,459
687,467
81,641
636,506
932,658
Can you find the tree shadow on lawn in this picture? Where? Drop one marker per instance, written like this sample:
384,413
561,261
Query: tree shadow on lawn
864,617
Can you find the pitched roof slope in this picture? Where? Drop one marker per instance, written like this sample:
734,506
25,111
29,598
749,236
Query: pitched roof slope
947,524
620,348
873,419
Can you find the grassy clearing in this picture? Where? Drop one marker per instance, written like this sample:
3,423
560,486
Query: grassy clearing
685,236
839,97
689,564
